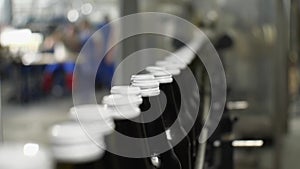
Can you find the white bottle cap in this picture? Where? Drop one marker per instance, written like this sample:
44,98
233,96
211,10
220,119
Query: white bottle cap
148,84
121,100
125,90
164,80
184,54
172,68
24,156
74,133
150,92
141,77
72,142
169,64
181,56
161,74
144,81
126,111
184,61
123,106
155,68
90,112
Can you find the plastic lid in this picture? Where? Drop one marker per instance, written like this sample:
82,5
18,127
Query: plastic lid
172,68
123,106
164,73
24,156
161,74
150,92
183,61
141,77
90,112
146,91
155,68
146,84
164,79
125,90
69,133
126,112
168,64
78,153
185,54
119,100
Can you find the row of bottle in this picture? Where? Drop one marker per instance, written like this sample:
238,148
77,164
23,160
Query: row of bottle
152,105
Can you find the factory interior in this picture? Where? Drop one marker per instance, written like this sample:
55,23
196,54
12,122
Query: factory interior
149,84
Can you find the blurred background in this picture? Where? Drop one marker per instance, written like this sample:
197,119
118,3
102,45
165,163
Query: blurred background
257,42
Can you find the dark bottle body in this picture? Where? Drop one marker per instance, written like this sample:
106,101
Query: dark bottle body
186,117
193,96
170,116
131,129
169,158
96,164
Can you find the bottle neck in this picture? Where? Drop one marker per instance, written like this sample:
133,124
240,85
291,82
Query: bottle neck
151,108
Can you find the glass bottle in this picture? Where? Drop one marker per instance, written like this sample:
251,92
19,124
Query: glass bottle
180,61
151,107
21,156
173,123
100,114
126,109
72,148
183,104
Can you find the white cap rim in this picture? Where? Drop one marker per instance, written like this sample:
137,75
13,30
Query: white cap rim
125,90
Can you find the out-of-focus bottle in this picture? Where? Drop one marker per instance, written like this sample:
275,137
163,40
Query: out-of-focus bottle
73,146
151,107
100,114
126,90
24,156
